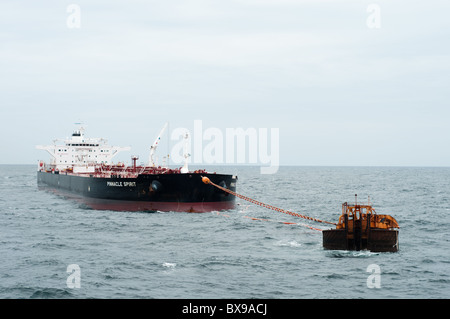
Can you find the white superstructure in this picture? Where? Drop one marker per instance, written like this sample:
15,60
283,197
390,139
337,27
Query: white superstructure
81,153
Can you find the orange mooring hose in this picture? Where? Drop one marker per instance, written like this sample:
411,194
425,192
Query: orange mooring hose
206,180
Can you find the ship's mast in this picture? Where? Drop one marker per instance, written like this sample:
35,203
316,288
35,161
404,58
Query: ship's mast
151,161
186,155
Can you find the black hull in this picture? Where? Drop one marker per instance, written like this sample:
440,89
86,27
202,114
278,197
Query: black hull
147,192
376,240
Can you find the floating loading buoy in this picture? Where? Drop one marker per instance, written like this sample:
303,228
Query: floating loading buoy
361,228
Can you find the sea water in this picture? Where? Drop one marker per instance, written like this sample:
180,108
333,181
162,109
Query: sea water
52,247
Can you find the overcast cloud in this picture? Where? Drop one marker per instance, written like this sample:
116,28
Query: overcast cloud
340,93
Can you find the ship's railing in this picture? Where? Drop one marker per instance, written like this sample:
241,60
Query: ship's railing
122,171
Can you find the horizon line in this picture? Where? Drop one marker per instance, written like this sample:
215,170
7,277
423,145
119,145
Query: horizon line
281,165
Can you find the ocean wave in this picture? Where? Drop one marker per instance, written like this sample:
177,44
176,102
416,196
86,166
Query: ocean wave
48,293
288,243
21,292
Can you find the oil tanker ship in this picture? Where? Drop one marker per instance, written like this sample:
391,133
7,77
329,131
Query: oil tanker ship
82,168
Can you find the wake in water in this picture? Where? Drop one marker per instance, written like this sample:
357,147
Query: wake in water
349,254
289,243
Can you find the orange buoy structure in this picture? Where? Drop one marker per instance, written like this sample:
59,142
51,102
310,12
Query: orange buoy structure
361,228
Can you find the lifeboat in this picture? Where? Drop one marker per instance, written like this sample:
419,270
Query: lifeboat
361,228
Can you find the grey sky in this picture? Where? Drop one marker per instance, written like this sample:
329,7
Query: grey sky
340,92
